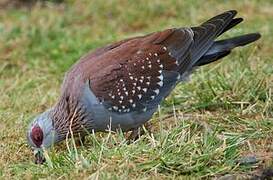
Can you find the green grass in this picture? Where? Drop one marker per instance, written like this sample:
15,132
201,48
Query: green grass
203,129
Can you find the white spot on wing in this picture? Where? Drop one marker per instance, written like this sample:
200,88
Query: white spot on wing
156,91
115,107
160,83
160,77
178,77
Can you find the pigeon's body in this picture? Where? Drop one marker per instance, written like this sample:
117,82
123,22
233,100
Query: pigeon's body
122,84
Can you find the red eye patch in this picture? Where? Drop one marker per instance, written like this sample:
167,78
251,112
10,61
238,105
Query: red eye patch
37,135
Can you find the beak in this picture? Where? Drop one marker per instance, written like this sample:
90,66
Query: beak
39,157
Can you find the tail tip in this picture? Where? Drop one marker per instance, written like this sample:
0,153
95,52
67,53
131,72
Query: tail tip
258,35
232,11
255,36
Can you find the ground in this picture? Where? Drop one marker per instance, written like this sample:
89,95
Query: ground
220,123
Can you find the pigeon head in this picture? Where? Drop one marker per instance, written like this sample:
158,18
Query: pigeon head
41,134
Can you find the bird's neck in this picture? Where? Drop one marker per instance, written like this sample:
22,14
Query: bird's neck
68,115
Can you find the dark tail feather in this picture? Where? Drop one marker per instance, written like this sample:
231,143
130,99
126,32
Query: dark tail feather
204,36
233,23
236,41
221,48
211,58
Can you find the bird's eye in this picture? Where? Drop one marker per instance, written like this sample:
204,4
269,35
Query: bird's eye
37,135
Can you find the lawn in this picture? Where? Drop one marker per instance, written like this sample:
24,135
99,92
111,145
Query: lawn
219,123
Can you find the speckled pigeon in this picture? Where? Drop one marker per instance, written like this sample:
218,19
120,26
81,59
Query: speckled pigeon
120,86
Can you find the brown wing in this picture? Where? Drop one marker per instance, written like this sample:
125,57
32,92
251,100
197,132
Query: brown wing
138,73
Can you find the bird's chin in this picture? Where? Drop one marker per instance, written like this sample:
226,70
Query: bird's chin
39,157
